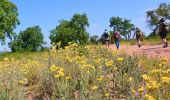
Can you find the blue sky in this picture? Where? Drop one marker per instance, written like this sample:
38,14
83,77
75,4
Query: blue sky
46,13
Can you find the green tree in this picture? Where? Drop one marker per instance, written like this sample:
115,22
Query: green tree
8,19
29,40
124,26
94,39
79,22
63,33
115,23
153,16
71,31
127,29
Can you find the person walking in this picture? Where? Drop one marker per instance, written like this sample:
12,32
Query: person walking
162,30
116,37
139,36
106,38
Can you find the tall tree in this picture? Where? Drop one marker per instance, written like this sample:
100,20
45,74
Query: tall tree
8,19
63,33
79,22
153,16
29,40
124,26
115,23
127,28
71,31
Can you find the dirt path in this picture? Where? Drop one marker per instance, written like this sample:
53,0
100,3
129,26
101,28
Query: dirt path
149,50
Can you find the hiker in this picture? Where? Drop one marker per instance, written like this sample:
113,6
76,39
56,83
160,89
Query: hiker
116,37
139,36
106,38
162,31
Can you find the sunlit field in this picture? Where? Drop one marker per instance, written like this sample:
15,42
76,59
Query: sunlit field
83,73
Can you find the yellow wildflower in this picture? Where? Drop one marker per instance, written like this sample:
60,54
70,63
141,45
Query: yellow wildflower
130,79
6,59
87,72
120,59
155,71
148,86
164,59
61,73
163,63
67,78
133,91
160,65
109,63
99,78
149,97
153,85
168,70
24,81
145,77
94,87
164,71
107,94
21,82
54,68
141,89
165,79
57,76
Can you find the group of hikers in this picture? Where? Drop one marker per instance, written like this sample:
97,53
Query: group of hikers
162,30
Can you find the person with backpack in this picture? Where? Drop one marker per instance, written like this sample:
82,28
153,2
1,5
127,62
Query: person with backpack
139,36
162,30
106,38
116,37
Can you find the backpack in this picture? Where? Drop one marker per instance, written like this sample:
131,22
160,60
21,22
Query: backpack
138,32
106,35
163,27
117,35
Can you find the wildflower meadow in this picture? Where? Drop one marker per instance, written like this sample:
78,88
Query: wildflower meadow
83,73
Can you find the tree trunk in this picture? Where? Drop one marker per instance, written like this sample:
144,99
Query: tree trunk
129,35
125,37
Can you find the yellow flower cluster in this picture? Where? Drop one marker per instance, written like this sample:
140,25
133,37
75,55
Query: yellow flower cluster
58,72
153,85
94,87
155,80
100,78
145,77
149,97
109,63
120,59
165,80
95,72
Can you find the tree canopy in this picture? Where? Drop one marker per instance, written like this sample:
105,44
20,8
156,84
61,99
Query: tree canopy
30,39
124,26
8,19
71,31
153,16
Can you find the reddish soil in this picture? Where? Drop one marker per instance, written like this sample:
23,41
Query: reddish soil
149,50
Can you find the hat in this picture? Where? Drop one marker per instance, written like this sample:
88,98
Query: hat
162,20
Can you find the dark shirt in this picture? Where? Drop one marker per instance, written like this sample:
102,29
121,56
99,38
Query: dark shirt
162,27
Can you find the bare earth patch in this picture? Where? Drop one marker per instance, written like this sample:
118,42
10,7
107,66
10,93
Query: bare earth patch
149,50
